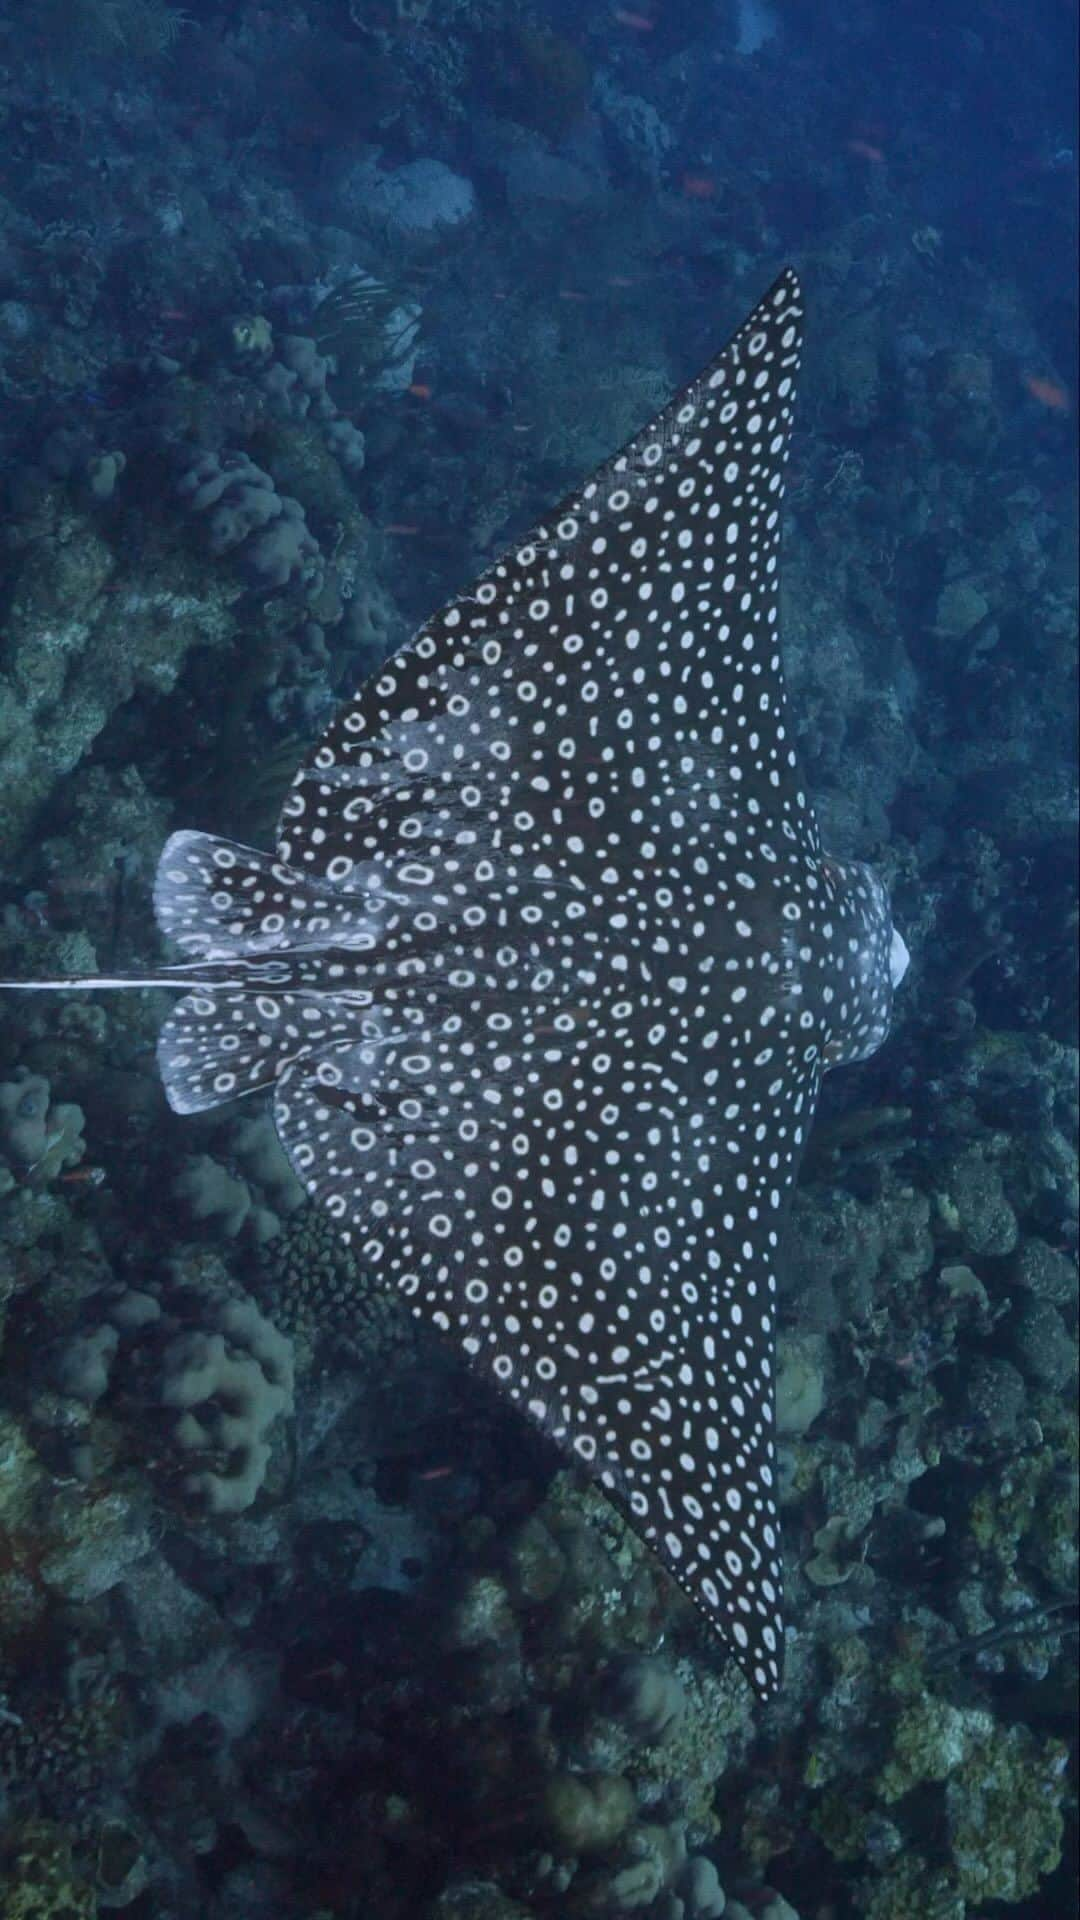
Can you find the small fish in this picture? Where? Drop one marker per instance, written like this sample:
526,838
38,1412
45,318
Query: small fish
546,968
637,22
698,186
420,390
83,1177
864,150
1049,393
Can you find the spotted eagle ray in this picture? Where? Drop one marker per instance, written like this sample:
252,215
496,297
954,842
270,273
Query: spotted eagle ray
547,966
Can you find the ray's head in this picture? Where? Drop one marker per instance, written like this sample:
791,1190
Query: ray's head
867,959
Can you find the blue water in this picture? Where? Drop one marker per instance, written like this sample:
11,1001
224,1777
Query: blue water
308,313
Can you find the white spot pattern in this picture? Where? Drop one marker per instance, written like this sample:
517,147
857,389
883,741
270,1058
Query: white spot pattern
548,966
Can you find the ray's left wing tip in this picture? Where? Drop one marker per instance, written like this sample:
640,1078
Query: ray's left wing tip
787,281
784,301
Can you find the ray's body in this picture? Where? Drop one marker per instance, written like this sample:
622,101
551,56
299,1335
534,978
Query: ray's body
548,963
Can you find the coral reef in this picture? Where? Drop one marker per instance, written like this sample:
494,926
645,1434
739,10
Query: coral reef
39,1138
305,313
266,530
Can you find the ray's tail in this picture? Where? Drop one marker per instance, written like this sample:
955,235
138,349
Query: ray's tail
231,909
253,996
182,977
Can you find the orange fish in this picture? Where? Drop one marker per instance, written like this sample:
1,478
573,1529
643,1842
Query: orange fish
420,390
698,186
1049,393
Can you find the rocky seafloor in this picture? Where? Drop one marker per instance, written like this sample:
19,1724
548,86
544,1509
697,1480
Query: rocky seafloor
304,310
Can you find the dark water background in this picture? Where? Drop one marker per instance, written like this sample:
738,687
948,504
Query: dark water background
410,1668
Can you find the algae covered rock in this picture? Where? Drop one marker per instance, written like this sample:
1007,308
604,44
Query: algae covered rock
930,1739
535,1564
86,626
1004,1814
228,1385
415,203
1003,1795
836,1554
252,1191
700,1889
212,1372
38,1139
995,1395
1046,1272
1044,1349
209,1192
987,1221
38,1879
960,607
646,1696
587,1813
800,1381
476,1900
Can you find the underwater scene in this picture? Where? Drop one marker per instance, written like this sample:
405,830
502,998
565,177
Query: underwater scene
538,960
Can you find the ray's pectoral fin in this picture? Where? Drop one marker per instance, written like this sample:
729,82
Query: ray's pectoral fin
648,1369
637,626
567,1150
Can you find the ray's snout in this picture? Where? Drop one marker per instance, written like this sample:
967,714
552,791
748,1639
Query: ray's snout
899,958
